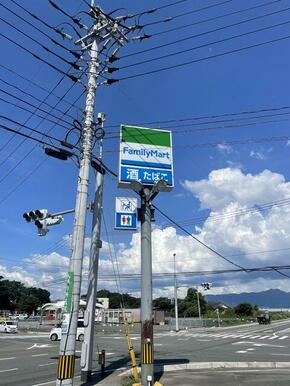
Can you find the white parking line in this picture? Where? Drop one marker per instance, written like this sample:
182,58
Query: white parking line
47,364
4,371
7,359
283,337
255,336
39,355
265,336
273,337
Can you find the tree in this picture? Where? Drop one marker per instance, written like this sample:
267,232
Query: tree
15,296
163,303
244,309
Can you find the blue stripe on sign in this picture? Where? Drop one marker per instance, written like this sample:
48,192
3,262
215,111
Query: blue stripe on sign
146,164
145,175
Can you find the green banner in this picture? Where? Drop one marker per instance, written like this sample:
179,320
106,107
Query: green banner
69,291
143,136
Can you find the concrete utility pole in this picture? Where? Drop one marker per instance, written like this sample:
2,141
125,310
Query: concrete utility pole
198,304
66,361
175,296
96,244
104,30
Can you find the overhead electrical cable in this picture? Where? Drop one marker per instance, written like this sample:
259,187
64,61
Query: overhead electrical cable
210,19
214,116
75,54
4,127
174,17
29,81
34,169
71,77
203,129
197,239
56,30
200,59
50,51
37,99
34,113
206,44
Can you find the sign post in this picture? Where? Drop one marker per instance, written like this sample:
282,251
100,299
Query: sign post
146,166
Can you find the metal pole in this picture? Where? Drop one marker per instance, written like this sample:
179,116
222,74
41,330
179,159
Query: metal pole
198,304
147,367
175,296
88,344
66,362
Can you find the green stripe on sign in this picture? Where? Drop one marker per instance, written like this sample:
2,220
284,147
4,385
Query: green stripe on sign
145,136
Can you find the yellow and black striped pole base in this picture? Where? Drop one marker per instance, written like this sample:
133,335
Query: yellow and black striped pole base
147,353
66,367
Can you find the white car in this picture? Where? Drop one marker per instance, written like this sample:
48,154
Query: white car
8,326
55,333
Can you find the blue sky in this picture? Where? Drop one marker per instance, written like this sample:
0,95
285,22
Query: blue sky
248,80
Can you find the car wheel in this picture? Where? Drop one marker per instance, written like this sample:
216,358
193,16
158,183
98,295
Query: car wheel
53,337
81,337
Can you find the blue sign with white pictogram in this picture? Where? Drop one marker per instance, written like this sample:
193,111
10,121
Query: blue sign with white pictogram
126,213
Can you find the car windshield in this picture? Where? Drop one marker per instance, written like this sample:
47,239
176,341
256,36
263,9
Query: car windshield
10,324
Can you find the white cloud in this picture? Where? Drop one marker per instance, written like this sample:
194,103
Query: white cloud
224,148
225,192
226,186
257,154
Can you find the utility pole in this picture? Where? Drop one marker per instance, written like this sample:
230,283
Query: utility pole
96,244
175,296
104,30
66,362
198,304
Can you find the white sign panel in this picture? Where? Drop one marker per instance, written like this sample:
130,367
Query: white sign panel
145,156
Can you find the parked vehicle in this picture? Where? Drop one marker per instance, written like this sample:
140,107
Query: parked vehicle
8,326
264,319
55,333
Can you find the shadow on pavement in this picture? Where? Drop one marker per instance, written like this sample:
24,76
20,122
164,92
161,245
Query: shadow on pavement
113,366
160,363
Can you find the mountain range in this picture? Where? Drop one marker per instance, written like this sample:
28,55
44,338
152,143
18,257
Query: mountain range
273,298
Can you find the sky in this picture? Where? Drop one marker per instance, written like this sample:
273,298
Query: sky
228,109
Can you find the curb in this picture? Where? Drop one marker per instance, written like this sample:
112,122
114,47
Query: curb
222,365
216,366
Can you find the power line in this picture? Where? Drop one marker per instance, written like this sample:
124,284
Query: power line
213,42
170,18
29,128
39,86
234,126
36,98
29,137
73,64
111,81
33,113
33,170
71,77
75,54
246,112
196,239
56,30
205,21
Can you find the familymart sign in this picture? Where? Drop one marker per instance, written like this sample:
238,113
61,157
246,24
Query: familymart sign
145,156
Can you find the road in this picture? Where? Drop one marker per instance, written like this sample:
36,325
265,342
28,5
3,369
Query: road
31,360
